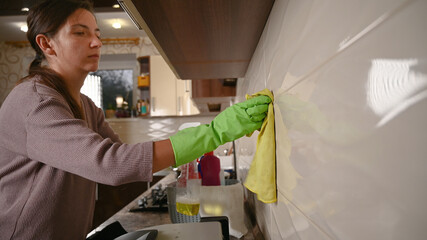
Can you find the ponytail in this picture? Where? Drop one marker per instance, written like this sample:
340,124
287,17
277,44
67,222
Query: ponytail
37,62
51,79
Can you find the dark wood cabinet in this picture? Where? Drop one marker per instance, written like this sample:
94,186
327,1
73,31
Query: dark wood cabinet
113,198
202,39
213,88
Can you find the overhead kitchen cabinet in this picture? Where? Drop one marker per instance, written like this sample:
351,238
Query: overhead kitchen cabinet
185,102
205,39
169,96
162,88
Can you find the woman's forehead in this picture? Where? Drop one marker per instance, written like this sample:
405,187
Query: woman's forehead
82,17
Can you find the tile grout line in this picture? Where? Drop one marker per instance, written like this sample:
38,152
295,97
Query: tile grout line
308,218
384,17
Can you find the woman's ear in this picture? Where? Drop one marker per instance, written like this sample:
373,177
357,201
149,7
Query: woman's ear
44,44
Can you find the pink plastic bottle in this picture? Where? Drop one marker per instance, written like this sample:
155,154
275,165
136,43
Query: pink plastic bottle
210,168
188,171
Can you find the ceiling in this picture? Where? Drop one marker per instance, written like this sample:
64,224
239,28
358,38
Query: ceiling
12,18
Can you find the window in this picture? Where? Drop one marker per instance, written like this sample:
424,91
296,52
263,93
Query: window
116,83
93,89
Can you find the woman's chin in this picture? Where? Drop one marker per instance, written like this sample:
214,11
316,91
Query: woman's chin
93,68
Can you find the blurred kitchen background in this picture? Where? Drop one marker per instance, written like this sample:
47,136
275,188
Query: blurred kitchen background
350,85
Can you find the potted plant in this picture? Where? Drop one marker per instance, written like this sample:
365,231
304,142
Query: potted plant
110,111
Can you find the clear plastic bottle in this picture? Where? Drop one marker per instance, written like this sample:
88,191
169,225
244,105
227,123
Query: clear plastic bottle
188,190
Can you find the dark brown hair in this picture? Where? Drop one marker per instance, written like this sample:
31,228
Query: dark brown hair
46,18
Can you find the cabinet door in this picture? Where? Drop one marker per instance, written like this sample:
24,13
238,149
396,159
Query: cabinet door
185,104
225,87
162,88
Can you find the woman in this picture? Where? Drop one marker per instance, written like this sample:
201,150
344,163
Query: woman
55,144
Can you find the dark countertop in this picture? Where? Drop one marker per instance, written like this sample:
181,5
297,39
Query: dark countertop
132,221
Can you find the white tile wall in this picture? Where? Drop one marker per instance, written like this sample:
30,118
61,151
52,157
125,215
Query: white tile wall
350,86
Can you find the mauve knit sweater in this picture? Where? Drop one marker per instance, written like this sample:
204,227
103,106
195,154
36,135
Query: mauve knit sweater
50,161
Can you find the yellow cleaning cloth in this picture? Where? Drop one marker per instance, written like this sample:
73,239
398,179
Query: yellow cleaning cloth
261,177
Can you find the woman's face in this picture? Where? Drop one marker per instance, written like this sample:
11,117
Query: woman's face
77,44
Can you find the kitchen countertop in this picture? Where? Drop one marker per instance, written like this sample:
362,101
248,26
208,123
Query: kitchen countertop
132,221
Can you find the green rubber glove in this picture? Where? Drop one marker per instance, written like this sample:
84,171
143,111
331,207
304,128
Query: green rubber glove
234,122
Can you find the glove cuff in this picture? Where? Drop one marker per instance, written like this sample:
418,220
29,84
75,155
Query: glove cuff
191,143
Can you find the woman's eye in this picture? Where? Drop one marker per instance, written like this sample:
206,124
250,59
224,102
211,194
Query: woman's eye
79,33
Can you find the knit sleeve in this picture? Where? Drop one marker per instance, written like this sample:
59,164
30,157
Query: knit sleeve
56,138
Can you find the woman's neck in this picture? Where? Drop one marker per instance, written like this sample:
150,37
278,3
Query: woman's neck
72,77
74,84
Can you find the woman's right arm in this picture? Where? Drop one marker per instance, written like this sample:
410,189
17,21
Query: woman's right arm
56,138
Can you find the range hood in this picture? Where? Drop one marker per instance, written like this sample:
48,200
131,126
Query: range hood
202,39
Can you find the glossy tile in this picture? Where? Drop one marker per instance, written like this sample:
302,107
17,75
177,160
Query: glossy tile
350,85
291,223
354,136
301,35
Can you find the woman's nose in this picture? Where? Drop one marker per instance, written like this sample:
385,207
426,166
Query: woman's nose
96,42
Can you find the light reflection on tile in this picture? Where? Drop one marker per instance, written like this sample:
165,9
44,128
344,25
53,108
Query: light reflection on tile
134,130
156,126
